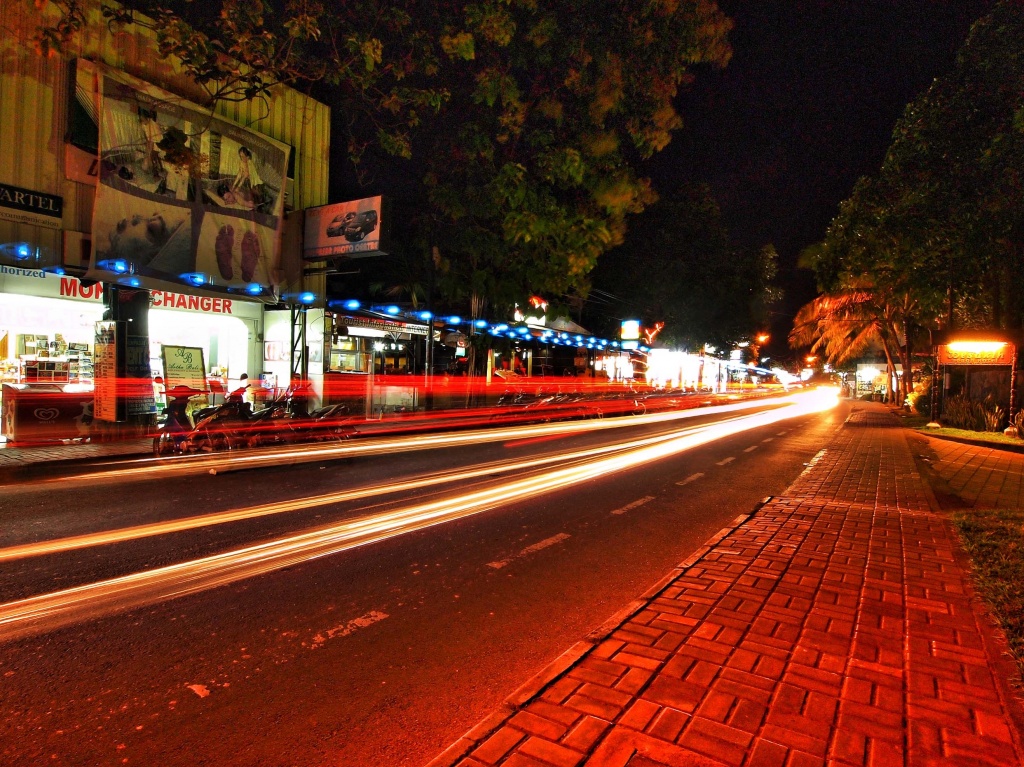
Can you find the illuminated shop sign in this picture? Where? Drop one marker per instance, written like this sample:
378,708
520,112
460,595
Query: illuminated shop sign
387,326
977,353
630,330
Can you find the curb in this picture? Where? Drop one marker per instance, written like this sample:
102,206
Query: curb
973,442
18,471
568,659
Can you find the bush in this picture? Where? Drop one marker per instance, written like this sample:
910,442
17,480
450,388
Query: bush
960,412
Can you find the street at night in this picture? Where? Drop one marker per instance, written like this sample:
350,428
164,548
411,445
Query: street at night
381,653
506,383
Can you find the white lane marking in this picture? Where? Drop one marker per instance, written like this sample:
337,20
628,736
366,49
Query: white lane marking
724,461
782,433
691,478
199,689
768,439
352,626
634,504
750,449
530,550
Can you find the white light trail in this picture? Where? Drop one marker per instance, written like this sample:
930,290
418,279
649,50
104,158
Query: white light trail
48,611
157,468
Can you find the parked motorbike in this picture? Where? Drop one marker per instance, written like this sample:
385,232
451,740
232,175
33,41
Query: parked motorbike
176,426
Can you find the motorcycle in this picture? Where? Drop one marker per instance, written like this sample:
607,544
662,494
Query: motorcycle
176,426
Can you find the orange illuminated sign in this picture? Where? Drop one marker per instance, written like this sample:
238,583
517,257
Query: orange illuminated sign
977,353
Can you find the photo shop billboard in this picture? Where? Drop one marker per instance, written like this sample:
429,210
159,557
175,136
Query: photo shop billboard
354,229
183,196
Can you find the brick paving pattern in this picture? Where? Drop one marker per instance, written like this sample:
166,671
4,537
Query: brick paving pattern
28,455
982,477
832,626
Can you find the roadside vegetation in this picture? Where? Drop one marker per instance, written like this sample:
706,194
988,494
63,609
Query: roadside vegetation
994,539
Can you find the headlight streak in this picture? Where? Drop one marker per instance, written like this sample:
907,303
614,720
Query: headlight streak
58,545
49,611
157,468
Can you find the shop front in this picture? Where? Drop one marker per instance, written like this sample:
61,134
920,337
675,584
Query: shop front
48,339
371,360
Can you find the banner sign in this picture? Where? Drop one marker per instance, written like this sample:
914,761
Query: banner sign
184,366
356,229
183,196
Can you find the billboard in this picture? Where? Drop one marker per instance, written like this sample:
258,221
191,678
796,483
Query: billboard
355,229
183,196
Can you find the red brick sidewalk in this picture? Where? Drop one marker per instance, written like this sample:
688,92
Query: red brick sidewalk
831,626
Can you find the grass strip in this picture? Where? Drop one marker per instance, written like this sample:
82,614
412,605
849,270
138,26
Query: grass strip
994,539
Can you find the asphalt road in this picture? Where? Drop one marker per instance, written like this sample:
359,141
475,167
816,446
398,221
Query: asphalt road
377,651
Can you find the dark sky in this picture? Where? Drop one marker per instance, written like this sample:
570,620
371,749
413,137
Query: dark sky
806,106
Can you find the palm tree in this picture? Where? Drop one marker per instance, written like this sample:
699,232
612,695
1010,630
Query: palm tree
841,326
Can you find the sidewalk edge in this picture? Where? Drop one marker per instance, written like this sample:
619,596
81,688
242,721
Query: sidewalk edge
568,659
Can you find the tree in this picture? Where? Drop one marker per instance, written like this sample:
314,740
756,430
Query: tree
530,166
678,267
937,237
365,54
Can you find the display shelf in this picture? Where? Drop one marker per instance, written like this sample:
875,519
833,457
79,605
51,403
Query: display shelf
45,370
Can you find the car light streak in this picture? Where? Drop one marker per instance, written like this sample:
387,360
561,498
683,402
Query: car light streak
157,468
48,611
121,535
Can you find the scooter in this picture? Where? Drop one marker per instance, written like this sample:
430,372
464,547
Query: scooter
176,427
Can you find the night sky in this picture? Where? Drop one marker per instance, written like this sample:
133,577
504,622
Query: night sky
806,106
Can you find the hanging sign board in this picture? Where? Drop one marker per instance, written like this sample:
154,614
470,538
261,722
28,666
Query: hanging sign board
184,366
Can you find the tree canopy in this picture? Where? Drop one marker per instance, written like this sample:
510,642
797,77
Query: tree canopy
936,238
523,122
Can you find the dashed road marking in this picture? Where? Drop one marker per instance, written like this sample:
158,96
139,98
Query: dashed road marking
634,504
724,461
781,433
350,627
530,550
768,439
750,449
691,478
